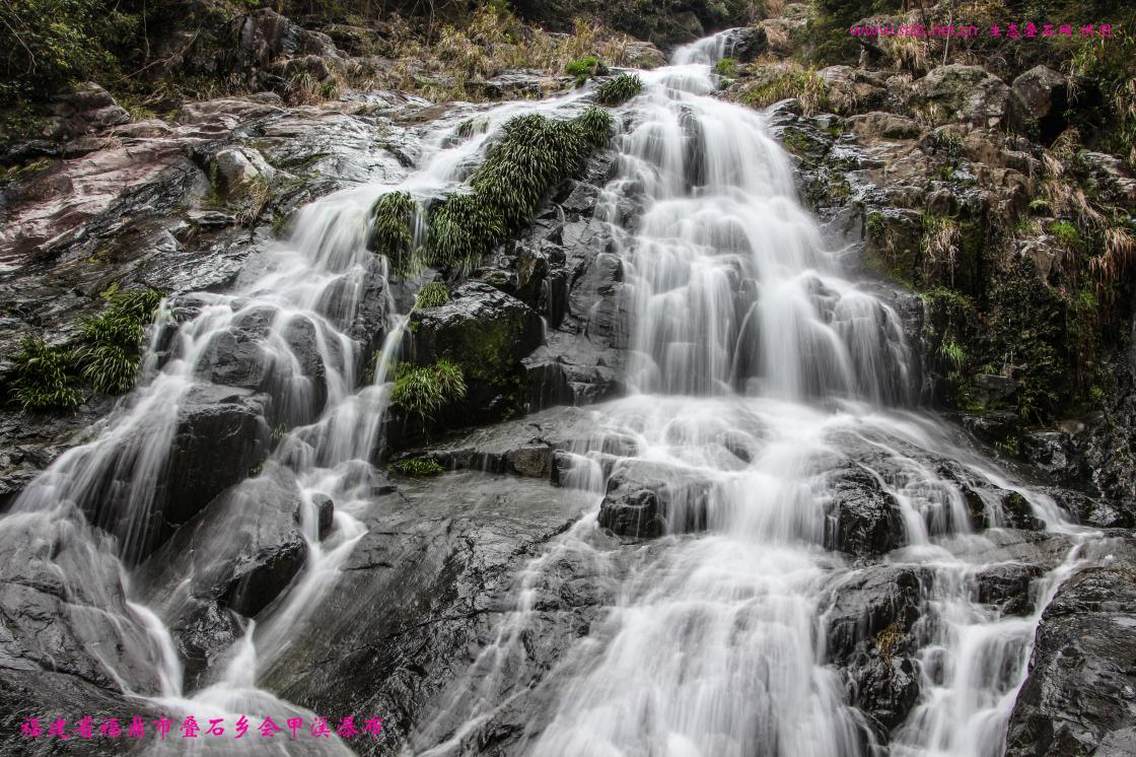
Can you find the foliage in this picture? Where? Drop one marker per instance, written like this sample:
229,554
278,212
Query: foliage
44,378
534,155
423,391
619,90
392,217
433,295
585,68
111,349
1066,233
418,467
726,68
790,80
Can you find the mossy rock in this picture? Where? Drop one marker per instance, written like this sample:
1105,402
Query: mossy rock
487,333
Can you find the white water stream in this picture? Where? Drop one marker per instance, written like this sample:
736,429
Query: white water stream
758,367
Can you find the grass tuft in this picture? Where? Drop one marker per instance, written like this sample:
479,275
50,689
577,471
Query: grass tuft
112,341
423,391
418,467
433,295
44,377
619,90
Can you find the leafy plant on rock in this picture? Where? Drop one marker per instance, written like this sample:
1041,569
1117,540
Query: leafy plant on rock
418,467
391,218
423,391
112,341
619,90
585,67
435,294
44,376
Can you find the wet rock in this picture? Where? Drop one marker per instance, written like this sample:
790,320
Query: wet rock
958,92
1040,96
646,500
264,35
221,435
65,609
880,124
746,43
1078,697
1091,511
427,585
869,635
239,553
854,90
487,333
1054,453
1009,586
861,518
86,108
325,514
521,448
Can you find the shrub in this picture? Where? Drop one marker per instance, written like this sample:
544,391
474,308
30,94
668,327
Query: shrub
1067,234
792,80
425,390
392,217
435,294
418,467
586,67
44,376
726,68
619,90
112,341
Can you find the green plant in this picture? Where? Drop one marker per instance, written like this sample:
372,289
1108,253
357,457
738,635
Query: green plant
1067,233
585,67
791,80
726,68
435,294
619,90
111,348
44,376
953,352
425,390
418,467
392,216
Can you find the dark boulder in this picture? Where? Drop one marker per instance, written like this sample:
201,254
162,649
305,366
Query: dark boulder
1078,698
646,500
325,514
1009,586
1040,97
869,635
487,333
238,554
861,518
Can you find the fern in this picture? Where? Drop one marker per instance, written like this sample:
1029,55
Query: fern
44,376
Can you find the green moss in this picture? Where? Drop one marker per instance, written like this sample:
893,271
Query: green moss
418,467
435,294
1066,233
619,90
726,68
423,391
44,378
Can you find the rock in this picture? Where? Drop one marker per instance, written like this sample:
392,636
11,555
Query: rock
643,55
647,500
86,108
1009,586
745,43
239,553
1040,97
237,169
868,634
853,90
427,585
879,124
487,333
1053,453
325,514
958,92
861,518
65,608
265,35
1078,697
220,436
1091,511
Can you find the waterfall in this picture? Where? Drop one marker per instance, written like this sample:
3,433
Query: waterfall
761,373
763,379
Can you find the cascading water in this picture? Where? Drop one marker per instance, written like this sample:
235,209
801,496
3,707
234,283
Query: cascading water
761,375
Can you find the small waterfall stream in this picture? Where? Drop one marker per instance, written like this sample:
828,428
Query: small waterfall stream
759,368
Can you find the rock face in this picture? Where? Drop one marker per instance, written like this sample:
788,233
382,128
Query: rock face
1040,98
86,108
236,556
862,519
646,500
962,93
1078,699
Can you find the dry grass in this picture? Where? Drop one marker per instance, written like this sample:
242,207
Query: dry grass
785,81
940,246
